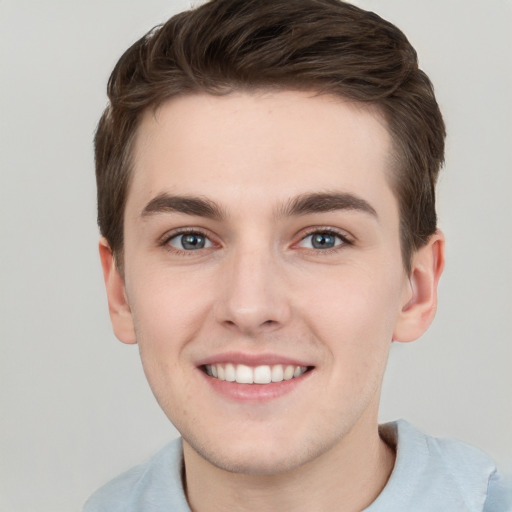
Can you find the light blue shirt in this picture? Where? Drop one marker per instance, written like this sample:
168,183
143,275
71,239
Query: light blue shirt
430,475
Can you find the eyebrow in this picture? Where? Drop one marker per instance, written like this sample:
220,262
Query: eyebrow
304,204
189,205
321,202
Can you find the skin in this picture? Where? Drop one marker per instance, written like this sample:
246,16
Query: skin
260,287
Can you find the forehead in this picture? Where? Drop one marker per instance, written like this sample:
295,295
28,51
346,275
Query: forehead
273,144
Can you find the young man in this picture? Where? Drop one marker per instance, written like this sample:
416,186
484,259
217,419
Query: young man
266,173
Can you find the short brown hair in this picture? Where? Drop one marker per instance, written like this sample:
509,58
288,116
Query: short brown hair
326,46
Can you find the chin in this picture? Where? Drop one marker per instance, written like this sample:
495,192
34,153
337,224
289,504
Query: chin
254,461
257,456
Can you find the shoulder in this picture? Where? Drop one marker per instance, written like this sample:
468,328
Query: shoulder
436,473
499,495
151,486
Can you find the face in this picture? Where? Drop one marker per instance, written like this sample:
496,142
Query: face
262,244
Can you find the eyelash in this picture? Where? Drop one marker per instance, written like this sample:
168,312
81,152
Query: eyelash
327,231
164,242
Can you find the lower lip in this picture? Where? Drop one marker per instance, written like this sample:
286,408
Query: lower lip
255,392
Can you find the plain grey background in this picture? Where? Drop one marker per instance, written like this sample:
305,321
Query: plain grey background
75,406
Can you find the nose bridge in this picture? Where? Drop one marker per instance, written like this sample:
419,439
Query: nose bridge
253,297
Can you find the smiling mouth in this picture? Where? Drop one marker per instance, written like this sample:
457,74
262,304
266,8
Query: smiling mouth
263,374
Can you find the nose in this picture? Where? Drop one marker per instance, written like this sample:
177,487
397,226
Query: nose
252,296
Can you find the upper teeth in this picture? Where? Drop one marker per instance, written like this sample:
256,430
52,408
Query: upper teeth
263,374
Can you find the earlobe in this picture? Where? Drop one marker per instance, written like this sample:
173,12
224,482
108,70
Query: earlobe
420,295
119,309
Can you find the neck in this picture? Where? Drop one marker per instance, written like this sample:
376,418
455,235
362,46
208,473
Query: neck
346,478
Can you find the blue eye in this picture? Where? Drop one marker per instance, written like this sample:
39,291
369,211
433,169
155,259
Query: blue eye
190,241
322,240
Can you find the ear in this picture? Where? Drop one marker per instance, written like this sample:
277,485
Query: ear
420,295
119,309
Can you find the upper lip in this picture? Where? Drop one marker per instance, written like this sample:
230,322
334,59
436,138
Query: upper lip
252,359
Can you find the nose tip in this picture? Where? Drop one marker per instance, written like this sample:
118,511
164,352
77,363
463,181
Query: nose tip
253,297
250,321
252,312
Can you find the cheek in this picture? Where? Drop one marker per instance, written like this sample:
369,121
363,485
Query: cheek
357,312
355,323
166,303
168,312
167,315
